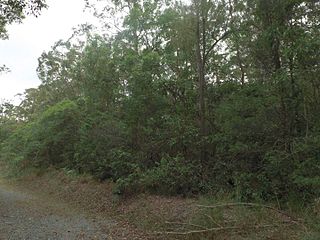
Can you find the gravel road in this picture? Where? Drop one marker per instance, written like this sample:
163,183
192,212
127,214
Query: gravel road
26,217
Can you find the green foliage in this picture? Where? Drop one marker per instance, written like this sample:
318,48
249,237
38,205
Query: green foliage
246,132
184,98
13,149
8,121
252,146
173,175
62,121
306,166
15,11
101,138
47,141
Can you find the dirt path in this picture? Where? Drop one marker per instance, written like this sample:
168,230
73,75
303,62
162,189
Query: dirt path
23,216
56,206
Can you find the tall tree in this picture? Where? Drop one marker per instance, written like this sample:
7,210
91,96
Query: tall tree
212,26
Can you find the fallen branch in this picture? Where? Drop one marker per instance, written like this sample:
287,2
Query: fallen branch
297,222
216,230
241,204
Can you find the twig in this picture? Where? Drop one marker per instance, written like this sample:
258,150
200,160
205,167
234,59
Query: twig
188,224
212,220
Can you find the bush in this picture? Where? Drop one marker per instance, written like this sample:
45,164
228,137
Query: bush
48,141
173,175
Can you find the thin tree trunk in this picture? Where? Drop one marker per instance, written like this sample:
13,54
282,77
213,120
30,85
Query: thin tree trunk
201,79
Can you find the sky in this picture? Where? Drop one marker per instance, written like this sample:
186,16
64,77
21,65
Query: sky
28,40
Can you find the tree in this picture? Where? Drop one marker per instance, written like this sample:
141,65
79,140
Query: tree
14,11
212,25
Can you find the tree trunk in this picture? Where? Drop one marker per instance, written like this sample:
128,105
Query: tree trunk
202,86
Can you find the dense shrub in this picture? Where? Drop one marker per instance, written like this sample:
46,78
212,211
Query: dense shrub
306,170
47,141
172,175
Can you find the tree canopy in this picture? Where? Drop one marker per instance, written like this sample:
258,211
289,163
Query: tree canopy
14,11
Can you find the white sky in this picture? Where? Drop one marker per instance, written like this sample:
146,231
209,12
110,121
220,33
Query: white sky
28,40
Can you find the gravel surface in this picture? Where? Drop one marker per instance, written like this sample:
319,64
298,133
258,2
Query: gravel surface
24,217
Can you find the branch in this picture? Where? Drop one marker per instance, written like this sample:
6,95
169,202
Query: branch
212,220
215,43
217,229
255,205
